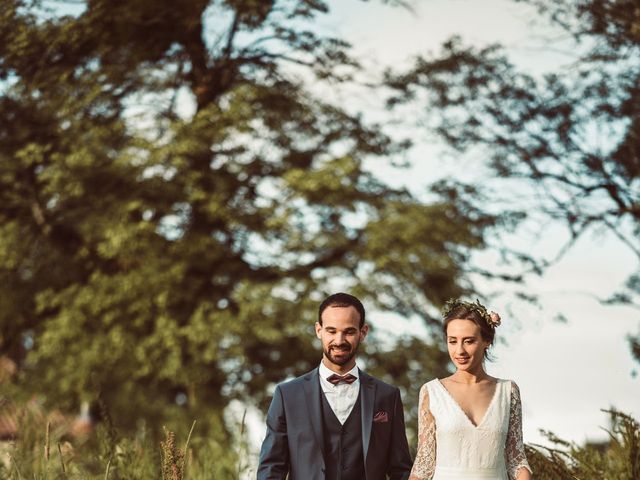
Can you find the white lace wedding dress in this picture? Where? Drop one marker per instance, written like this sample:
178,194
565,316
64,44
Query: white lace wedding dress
451,447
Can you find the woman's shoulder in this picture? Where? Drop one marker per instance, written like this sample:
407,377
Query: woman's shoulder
510,386
427,386
504,381
427,393
507,381
430,383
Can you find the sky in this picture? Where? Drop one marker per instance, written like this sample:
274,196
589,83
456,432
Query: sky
567,372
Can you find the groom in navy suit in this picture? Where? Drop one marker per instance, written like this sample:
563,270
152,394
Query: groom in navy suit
336,422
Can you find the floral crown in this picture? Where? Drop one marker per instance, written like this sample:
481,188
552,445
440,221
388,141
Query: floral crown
492,318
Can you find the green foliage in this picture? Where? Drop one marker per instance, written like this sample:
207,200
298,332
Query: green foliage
175,202
617,459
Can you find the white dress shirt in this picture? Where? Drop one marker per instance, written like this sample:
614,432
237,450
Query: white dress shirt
341,397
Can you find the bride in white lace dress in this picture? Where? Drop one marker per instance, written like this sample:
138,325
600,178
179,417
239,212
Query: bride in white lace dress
470,424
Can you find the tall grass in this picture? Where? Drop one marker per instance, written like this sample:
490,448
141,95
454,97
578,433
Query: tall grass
42,453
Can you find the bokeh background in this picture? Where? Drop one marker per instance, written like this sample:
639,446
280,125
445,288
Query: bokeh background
182,182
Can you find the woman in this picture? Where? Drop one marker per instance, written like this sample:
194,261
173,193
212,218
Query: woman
470,424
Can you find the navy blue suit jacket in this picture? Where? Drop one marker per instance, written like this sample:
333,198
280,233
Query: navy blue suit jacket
294,441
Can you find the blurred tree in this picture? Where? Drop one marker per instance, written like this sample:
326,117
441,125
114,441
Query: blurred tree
573,135
175,201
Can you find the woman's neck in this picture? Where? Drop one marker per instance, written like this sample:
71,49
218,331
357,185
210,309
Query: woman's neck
469,377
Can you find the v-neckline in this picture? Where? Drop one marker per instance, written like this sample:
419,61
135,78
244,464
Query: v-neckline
464,414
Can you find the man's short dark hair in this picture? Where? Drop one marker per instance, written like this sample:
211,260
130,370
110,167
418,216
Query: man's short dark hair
342,300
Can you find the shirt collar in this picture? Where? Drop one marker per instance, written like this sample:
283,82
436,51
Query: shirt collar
325,372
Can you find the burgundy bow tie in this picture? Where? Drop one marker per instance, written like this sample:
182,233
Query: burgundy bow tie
336,379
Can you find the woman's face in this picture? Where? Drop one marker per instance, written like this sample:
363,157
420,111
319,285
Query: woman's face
466,345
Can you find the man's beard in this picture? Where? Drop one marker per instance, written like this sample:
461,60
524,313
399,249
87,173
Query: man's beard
341,360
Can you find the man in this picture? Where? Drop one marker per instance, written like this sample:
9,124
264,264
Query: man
336,422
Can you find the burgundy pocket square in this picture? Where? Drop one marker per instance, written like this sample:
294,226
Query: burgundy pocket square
381,417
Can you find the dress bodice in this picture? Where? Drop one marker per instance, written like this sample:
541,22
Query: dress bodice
461,444
451,447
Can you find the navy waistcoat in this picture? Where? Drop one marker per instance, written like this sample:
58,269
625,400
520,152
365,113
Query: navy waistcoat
343,443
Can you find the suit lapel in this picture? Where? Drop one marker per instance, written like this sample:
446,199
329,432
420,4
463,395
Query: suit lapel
367,394
312,395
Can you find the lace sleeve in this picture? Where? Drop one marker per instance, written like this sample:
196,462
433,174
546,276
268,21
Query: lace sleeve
425,463
515,456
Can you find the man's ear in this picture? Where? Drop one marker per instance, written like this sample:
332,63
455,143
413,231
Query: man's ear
364,330
318,330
